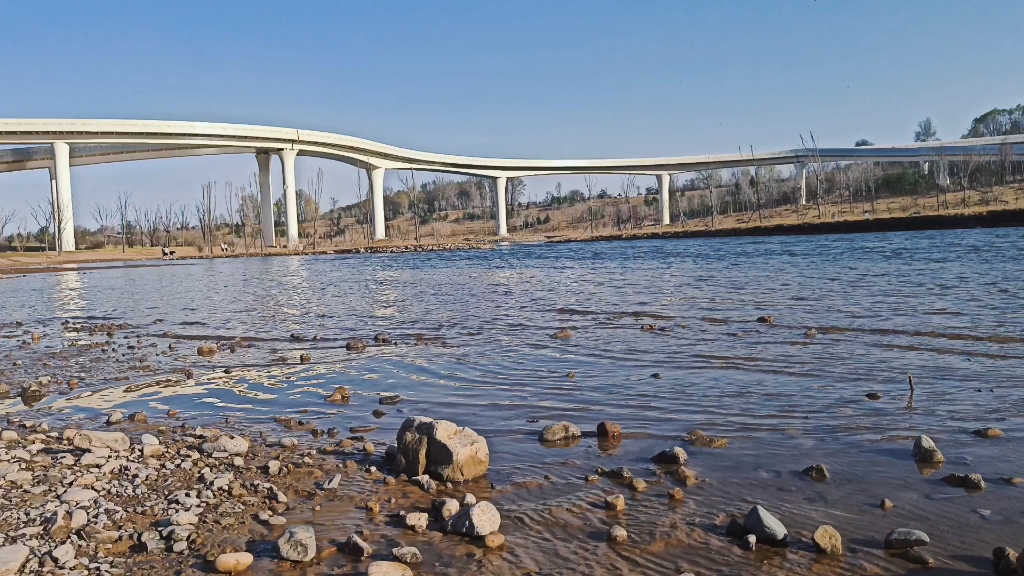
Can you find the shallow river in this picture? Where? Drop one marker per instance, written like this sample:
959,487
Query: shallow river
474,345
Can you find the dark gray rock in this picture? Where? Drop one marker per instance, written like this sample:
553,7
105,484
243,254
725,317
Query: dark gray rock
761,523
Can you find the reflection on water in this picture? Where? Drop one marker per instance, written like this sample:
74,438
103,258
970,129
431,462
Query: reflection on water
68,294
473,331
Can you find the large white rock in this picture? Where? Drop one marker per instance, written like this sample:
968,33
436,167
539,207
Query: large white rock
416,521
79,518
298,544
441,449
479,519
233,445
63,554
184,518
12,558
86,439
76,495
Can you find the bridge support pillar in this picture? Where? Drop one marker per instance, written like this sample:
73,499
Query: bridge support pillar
664,181
61,182
266,200
377,199
53,207
925,165
291,213
800,173
499,205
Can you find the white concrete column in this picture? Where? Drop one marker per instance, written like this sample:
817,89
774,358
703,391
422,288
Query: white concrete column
377,198
800,169
291,212
266,200
499,205
54,207
664,180
62,182
924,166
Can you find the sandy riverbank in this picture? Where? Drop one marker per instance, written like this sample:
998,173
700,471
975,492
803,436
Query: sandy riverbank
35,263
781,222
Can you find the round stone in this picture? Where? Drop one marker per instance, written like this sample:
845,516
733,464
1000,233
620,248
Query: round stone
385,568
233,562
905,538
494,539
617,534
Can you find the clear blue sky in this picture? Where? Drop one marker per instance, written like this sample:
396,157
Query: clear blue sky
518,79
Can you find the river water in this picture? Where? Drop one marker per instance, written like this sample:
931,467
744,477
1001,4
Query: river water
473,331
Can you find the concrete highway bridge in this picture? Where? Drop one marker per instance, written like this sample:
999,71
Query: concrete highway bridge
57,145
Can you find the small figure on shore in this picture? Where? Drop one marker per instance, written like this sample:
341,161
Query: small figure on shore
223,247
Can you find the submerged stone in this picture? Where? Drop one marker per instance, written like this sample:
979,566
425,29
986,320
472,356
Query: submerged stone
560,432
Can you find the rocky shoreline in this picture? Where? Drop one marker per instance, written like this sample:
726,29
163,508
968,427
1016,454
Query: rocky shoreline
161,498
145,498
134,493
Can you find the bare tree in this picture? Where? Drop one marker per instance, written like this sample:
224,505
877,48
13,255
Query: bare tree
677,192
43,215
104,217
58,217
514,192
590,181
230,200
709,179
206,212
314,195
939,172
21,237
184,222
6,217
167,221
250,211
818,170
415,199
362,202
968,162
147,220
123,207
627,185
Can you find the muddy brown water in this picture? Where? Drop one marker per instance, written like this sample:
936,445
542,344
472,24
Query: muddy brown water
473,332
